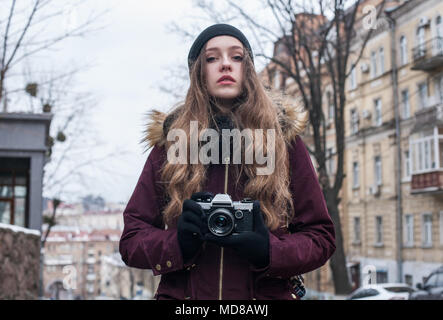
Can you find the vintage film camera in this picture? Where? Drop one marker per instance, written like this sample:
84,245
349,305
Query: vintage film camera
224,216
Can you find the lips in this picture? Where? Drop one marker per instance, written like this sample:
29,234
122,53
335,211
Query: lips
226,79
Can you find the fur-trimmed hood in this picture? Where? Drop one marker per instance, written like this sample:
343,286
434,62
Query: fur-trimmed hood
292,119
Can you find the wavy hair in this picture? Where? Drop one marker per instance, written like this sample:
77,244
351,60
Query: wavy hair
253,109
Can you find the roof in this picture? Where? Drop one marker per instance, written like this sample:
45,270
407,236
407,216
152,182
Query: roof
83,235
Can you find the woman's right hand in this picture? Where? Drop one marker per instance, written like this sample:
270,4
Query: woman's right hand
190,226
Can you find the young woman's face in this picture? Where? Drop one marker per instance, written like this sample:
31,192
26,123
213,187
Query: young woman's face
224,55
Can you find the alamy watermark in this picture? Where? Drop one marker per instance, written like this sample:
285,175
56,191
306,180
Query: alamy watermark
70,280
177,152
369,274
370,20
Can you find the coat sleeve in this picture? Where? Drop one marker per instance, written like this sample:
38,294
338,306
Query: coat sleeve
313,241
144,243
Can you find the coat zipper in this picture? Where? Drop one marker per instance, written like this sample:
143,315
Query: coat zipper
220,290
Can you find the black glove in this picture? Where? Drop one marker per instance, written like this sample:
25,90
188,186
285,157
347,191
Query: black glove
189,226
252,245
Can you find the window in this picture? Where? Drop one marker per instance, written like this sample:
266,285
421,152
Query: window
353,77
441,227
382,276
330,105
277,83
421,42
357,229
407,165
423,95
354,121
403,51
406,108
439,86
281,48
364,293
434,280
377,170
330,160
381,57
409,230
378,231
377,112
373,64
14,178
399,289
355,172
439,31
439,28
409,279
427,230
431,281
425,149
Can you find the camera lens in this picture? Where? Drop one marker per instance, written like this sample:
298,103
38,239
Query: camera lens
220,222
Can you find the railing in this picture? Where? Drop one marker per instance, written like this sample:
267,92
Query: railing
426,180
430,48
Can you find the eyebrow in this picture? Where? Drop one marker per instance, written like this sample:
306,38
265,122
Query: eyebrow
218,49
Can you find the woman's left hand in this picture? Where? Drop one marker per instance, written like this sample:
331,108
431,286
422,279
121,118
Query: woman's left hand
254,245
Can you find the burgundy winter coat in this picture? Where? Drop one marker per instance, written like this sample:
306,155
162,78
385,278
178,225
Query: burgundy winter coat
216,273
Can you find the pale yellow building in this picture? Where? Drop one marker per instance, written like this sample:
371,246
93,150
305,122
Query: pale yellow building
398,249
396,233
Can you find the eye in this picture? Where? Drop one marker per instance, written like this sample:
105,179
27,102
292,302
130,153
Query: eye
210,59
239,58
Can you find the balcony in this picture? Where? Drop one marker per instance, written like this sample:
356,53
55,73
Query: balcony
427,182
429,55
426,150
429,116
90,260
90,277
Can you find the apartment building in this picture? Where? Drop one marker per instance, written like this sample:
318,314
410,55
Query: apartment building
395,203
276,79
72,261
120,282
392,204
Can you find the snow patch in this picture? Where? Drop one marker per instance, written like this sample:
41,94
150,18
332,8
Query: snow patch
20,229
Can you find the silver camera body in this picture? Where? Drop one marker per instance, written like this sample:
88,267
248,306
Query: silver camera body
225,217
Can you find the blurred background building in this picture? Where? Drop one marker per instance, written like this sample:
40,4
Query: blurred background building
397,231
23,154
82,259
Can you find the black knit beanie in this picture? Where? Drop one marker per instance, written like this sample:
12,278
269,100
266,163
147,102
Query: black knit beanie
214,31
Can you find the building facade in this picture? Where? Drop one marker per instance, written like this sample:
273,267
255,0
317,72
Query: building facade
395,202
392,195
82,259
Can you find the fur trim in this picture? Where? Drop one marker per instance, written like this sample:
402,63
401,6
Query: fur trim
292,119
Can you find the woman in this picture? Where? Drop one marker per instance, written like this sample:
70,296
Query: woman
164,229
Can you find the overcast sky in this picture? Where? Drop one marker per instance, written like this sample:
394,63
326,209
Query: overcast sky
131,57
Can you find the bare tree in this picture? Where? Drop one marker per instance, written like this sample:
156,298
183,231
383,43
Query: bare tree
314,42
29,32
24,33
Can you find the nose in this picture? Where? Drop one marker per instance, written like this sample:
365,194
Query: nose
226,64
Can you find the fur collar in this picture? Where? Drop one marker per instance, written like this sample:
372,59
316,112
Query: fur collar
292,119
